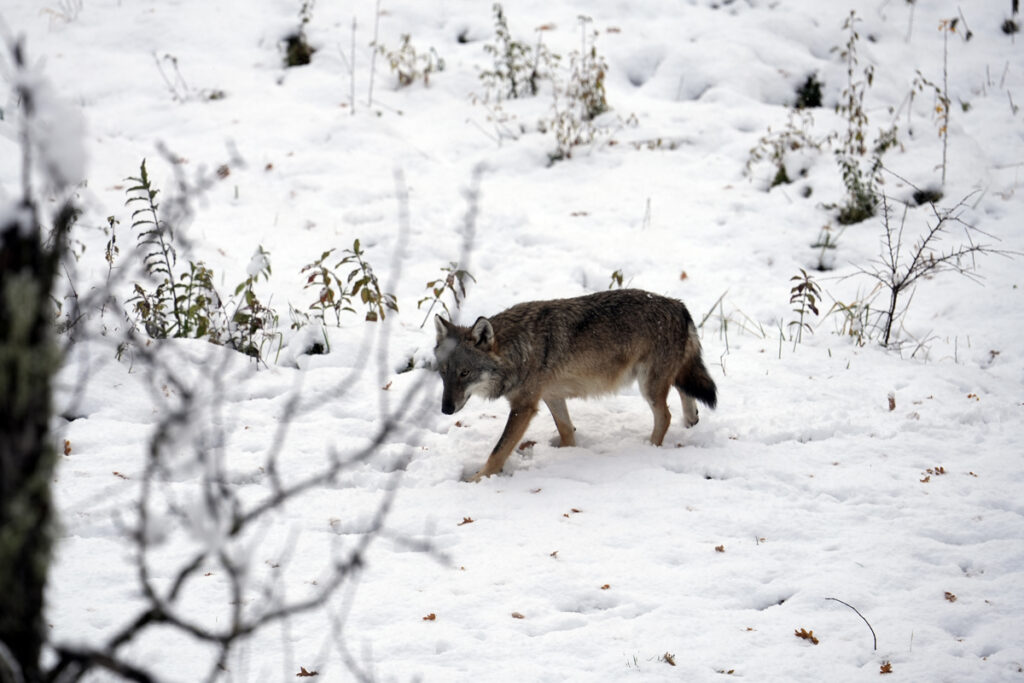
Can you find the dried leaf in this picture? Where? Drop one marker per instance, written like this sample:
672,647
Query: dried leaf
806,635
719,548
67,447
517,615
950,597
465,520
430,617
605,587
886,668
669,658
554,554
303,673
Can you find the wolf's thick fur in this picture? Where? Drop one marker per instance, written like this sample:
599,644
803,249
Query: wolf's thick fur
568,348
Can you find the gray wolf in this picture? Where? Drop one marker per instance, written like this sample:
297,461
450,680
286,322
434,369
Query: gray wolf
572,348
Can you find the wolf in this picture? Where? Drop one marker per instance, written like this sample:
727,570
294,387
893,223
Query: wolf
554,350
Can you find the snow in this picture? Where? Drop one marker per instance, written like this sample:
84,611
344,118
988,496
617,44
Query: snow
803,486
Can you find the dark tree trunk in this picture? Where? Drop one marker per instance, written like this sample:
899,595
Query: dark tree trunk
28,361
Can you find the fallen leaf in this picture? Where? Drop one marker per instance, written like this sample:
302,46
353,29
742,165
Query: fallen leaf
387,386
605,587
806,635
517,615
719,548
950,597
465,520
576,510
554,554
886,668
527,445
430,617
669,658
303,673
67,447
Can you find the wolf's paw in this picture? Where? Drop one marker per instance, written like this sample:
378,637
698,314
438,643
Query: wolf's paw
689,422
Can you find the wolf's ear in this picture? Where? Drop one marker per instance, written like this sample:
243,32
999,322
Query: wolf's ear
442,327
483,334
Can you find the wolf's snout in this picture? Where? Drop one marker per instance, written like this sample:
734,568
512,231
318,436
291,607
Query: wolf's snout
447,407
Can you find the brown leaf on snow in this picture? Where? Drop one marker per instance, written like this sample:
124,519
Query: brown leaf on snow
67,447
430,617
806,635
606,587
719,548
526,445
669,658
303,673
517,615
886,668
465,520
950,597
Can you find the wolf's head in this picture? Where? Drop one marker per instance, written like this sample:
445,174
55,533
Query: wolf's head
465,362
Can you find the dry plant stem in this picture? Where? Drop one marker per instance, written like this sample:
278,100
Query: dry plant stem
873,636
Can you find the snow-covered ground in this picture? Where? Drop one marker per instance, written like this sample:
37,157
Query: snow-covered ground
613,559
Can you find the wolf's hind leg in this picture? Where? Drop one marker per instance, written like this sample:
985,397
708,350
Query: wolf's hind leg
559,411
690,416
656,393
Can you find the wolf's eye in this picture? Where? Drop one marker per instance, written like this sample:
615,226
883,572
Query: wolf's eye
463,374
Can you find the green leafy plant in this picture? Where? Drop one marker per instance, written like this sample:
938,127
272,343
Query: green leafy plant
410,66
617,280
363,284
187,304
453,281
253,325
332,295
804,297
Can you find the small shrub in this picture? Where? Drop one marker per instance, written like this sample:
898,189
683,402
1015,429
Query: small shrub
861,174
581,99
453,281
808,95
297,50
775,146
410,66
364,285
804,297
253,325
517,68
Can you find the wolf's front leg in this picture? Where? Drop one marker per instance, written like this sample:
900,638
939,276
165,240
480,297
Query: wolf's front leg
518,420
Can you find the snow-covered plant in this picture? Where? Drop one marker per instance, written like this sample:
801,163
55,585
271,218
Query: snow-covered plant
580,99
775,146
454,281
860,171
517,67
410,66
253,325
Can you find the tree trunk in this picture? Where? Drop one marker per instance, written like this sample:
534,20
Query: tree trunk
28,361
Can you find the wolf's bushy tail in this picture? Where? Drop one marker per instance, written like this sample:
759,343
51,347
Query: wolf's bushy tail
696,382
